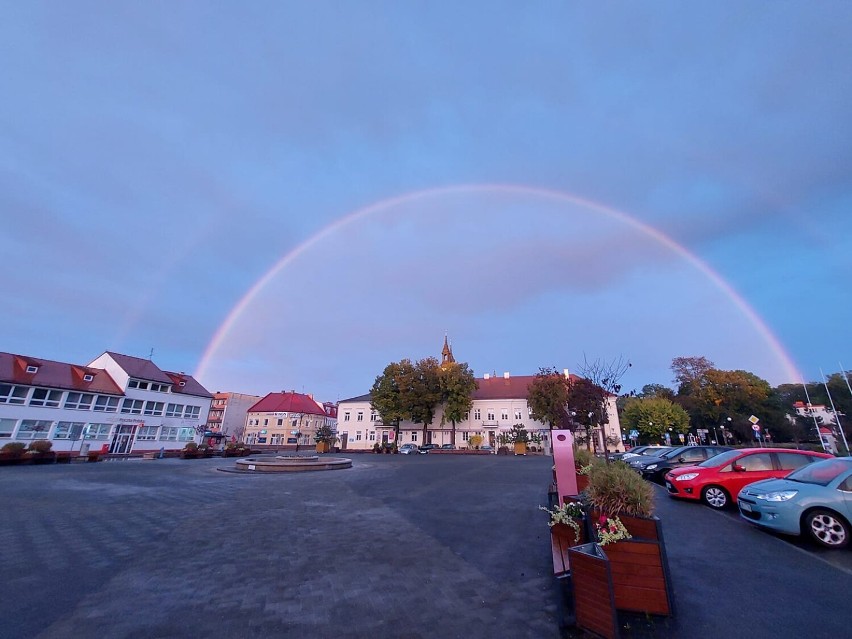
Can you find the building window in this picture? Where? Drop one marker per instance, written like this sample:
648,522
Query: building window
132,406
477,414
68,430
504,414
79,401
266,422
32,369
160,388
88,378
518,414
346,416
191,412
34,429
360,416
414,436
186,434
174,410
135,383
280,422
104,404
169,434
13,394
146,433
490,414
357,435
374,416
153,408
372,435
98,431
45,397
7,426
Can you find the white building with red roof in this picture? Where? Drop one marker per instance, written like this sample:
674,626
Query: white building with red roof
117,404
499,402
287,418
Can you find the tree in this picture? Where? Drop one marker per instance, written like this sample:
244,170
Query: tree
604,379
586,406
690,371
325,434
548,396
391,394
656,390
457,386
425,393
654,416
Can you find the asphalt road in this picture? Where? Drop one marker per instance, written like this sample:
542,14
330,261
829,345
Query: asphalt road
397,546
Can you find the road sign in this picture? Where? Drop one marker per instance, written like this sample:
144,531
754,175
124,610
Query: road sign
754,419
755,428
634,434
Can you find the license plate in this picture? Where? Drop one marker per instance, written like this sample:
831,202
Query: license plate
669,485
746,507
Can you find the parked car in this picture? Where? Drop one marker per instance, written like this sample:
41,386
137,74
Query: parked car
815,500
655,468
638,451
408,449
489,448
717,480
448,447
425,448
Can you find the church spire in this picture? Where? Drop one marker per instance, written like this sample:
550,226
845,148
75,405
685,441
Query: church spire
447,353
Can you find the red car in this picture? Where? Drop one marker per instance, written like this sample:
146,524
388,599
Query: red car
720,478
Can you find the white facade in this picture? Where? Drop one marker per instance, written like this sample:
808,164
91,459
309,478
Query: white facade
359,426
138,413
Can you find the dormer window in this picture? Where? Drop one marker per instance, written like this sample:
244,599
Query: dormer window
32,369
88,378
181,383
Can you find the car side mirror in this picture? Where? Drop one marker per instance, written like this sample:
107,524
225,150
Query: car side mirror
738,469
681,460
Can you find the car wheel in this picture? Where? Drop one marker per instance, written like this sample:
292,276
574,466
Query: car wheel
827,529
715,497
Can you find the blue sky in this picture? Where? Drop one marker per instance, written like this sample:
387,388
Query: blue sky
158,159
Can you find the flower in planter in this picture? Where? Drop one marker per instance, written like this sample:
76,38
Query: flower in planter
568,514
610,530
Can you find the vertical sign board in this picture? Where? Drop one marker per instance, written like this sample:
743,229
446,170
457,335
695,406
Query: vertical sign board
563,459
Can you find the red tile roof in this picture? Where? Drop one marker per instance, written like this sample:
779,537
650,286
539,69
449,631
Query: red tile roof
287,403
51,374
497,387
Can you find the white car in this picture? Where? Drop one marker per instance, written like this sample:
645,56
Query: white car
408,449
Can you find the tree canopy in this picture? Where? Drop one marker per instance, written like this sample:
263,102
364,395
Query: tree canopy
548,396
457,386
653,417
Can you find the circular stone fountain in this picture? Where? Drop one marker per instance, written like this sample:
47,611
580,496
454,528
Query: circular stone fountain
288,464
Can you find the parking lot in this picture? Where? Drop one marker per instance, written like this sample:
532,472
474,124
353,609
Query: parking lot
397,546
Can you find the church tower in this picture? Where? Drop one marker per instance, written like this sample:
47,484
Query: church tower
447,354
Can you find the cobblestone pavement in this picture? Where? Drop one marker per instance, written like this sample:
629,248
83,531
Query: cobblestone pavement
396,546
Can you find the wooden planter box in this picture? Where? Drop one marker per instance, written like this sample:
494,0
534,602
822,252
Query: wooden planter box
640,569
582,482
594,604
322,447
520,448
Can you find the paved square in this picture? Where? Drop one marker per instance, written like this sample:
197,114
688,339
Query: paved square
397,546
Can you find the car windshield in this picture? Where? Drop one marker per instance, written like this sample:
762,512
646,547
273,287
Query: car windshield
820,473
655,452
672,452
721,459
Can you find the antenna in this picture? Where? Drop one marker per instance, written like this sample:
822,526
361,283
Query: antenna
151,354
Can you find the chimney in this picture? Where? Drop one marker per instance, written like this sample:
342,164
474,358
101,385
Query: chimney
506,375
486,376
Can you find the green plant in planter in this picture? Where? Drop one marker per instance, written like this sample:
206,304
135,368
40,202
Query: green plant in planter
40,447
568,514
615,489
583,458
13,449
325,435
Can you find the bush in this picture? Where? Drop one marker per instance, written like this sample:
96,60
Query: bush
40,446
191,447
13,449
615,489
583,457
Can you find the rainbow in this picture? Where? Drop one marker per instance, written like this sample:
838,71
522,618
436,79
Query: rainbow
744,307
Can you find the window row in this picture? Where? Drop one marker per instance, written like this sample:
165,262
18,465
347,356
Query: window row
10,394
491,415
152,386
46,429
